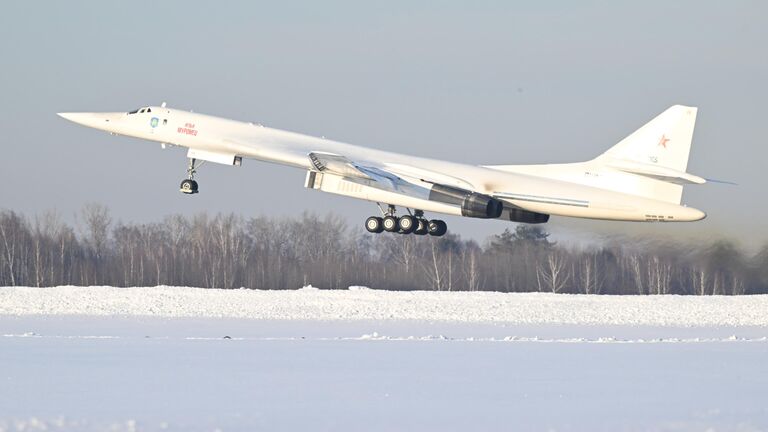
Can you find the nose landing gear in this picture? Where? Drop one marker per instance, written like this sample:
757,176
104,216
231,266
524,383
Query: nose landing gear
189,185
406,224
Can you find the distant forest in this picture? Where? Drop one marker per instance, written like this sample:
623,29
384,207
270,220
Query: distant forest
229,251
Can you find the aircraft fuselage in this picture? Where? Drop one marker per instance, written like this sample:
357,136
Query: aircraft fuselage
229,141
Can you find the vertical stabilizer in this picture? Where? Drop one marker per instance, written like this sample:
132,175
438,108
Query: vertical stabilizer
663,144
651,162
665,141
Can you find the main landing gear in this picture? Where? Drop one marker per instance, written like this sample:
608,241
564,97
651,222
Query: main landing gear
406,224
189,186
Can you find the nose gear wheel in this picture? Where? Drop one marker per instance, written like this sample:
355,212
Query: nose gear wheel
189,185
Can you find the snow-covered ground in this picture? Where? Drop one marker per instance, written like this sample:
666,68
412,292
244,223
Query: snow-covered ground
362,303
181,359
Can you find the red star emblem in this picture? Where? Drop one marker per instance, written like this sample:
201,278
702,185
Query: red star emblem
663,141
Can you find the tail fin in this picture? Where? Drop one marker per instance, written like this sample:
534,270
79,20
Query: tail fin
651,162
665,141
657,154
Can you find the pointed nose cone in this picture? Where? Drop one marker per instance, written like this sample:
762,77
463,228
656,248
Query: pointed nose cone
104,121
85,119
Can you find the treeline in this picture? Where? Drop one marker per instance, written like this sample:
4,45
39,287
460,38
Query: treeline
228,251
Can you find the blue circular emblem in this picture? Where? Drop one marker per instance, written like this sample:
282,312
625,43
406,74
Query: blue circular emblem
154,122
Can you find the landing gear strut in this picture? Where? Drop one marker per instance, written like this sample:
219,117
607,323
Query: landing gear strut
406,224
189,185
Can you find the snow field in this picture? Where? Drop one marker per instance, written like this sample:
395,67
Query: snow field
187,359
367,304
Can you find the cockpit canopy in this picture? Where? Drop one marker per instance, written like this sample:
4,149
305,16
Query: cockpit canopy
140,110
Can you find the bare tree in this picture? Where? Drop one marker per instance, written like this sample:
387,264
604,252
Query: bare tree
432,268
700,279
590,278
658,275
472,268
553,273
96,220
275,253
12,233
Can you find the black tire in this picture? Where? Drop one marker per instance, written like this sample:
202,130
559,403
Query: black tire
407,224
437,228
188,186
374,225
390,224
422,227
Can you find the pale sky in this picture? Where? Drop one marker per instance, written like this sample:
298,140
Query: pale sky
478,82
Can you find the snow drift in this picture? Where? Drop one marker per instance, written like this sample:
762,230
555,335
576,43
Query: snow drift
366,304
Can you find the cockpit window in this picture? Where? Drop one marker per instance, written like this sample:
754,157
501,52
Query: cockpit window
140,111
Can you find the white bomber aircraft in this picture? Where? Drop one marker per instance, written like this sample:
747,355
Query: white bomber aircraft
639,179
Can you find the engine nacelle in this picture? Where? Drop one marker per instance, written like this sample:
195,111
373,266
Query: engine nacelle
473,204
525,216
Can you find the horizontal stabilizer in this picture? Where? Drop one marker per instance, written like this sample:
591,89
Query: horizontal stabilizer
722,182
657,172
